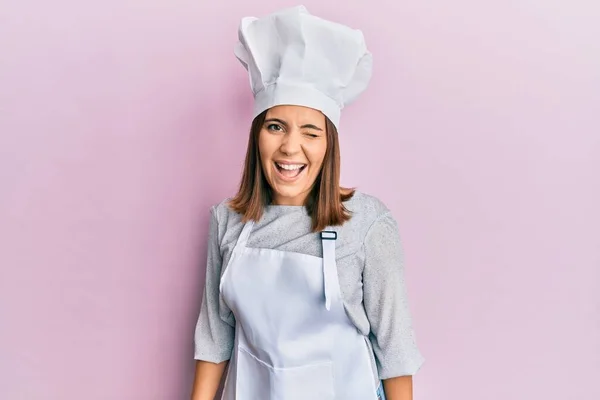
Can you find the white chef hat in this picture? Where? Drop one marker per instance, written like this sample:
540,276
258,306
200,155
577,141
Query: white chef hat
295,58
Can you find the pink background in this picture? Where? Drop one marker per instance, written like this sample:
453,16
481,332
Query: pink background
122,121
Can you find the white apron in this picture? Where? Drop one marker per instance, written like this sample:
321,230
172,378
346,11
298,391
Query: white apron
293,339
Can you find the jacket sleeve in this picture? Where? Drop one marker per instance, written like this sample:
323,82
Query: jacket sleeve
386,303
213,339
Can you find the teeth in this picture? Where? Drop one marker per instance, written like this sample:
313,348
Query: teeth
290,167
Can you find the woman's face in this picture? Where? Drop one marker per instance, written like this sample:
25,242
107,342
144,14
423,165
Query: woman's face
292,145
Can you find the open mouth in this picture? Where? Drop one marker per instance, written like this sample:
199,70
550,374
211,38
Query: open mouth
290,171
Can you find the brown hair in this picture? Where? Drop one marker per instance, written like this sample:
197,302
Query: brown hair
324,203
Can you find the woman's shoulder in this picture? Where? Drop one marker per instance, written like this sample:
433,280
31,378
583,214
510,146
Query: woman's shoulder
366,211
223,213
366,207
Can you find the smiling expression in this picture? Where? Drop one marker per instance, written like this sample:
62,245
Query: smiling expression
292,145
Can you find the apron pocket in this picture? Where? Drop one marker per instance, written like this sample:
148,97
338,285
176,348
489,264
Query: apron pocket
258,380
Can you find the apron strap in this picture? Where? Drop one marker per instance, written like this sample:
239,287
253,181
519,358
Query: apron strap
244,235
240,245
330,277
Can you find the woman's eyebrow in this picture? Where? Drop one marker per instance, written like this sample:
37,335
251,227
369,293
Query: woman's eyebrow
305,126
282,122
311,126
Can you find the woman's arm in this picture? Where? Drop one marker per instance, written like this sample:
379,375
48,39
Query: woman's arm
399,388
385,299
213,339
207,380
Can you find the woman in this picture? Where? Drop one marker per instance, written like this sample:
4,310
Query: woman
304,295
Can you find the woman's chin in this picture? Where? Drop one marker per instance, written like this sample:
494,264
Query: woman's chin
289,196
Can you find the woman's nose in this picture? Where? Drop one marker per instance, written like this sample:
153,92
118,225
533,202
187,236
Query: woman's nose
290,143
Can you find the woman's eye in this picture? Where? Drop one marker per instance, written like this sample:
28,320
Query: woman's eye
312,135
274,127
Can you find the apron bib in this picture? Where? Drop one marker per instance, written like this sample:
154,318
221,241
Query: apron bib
293,339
